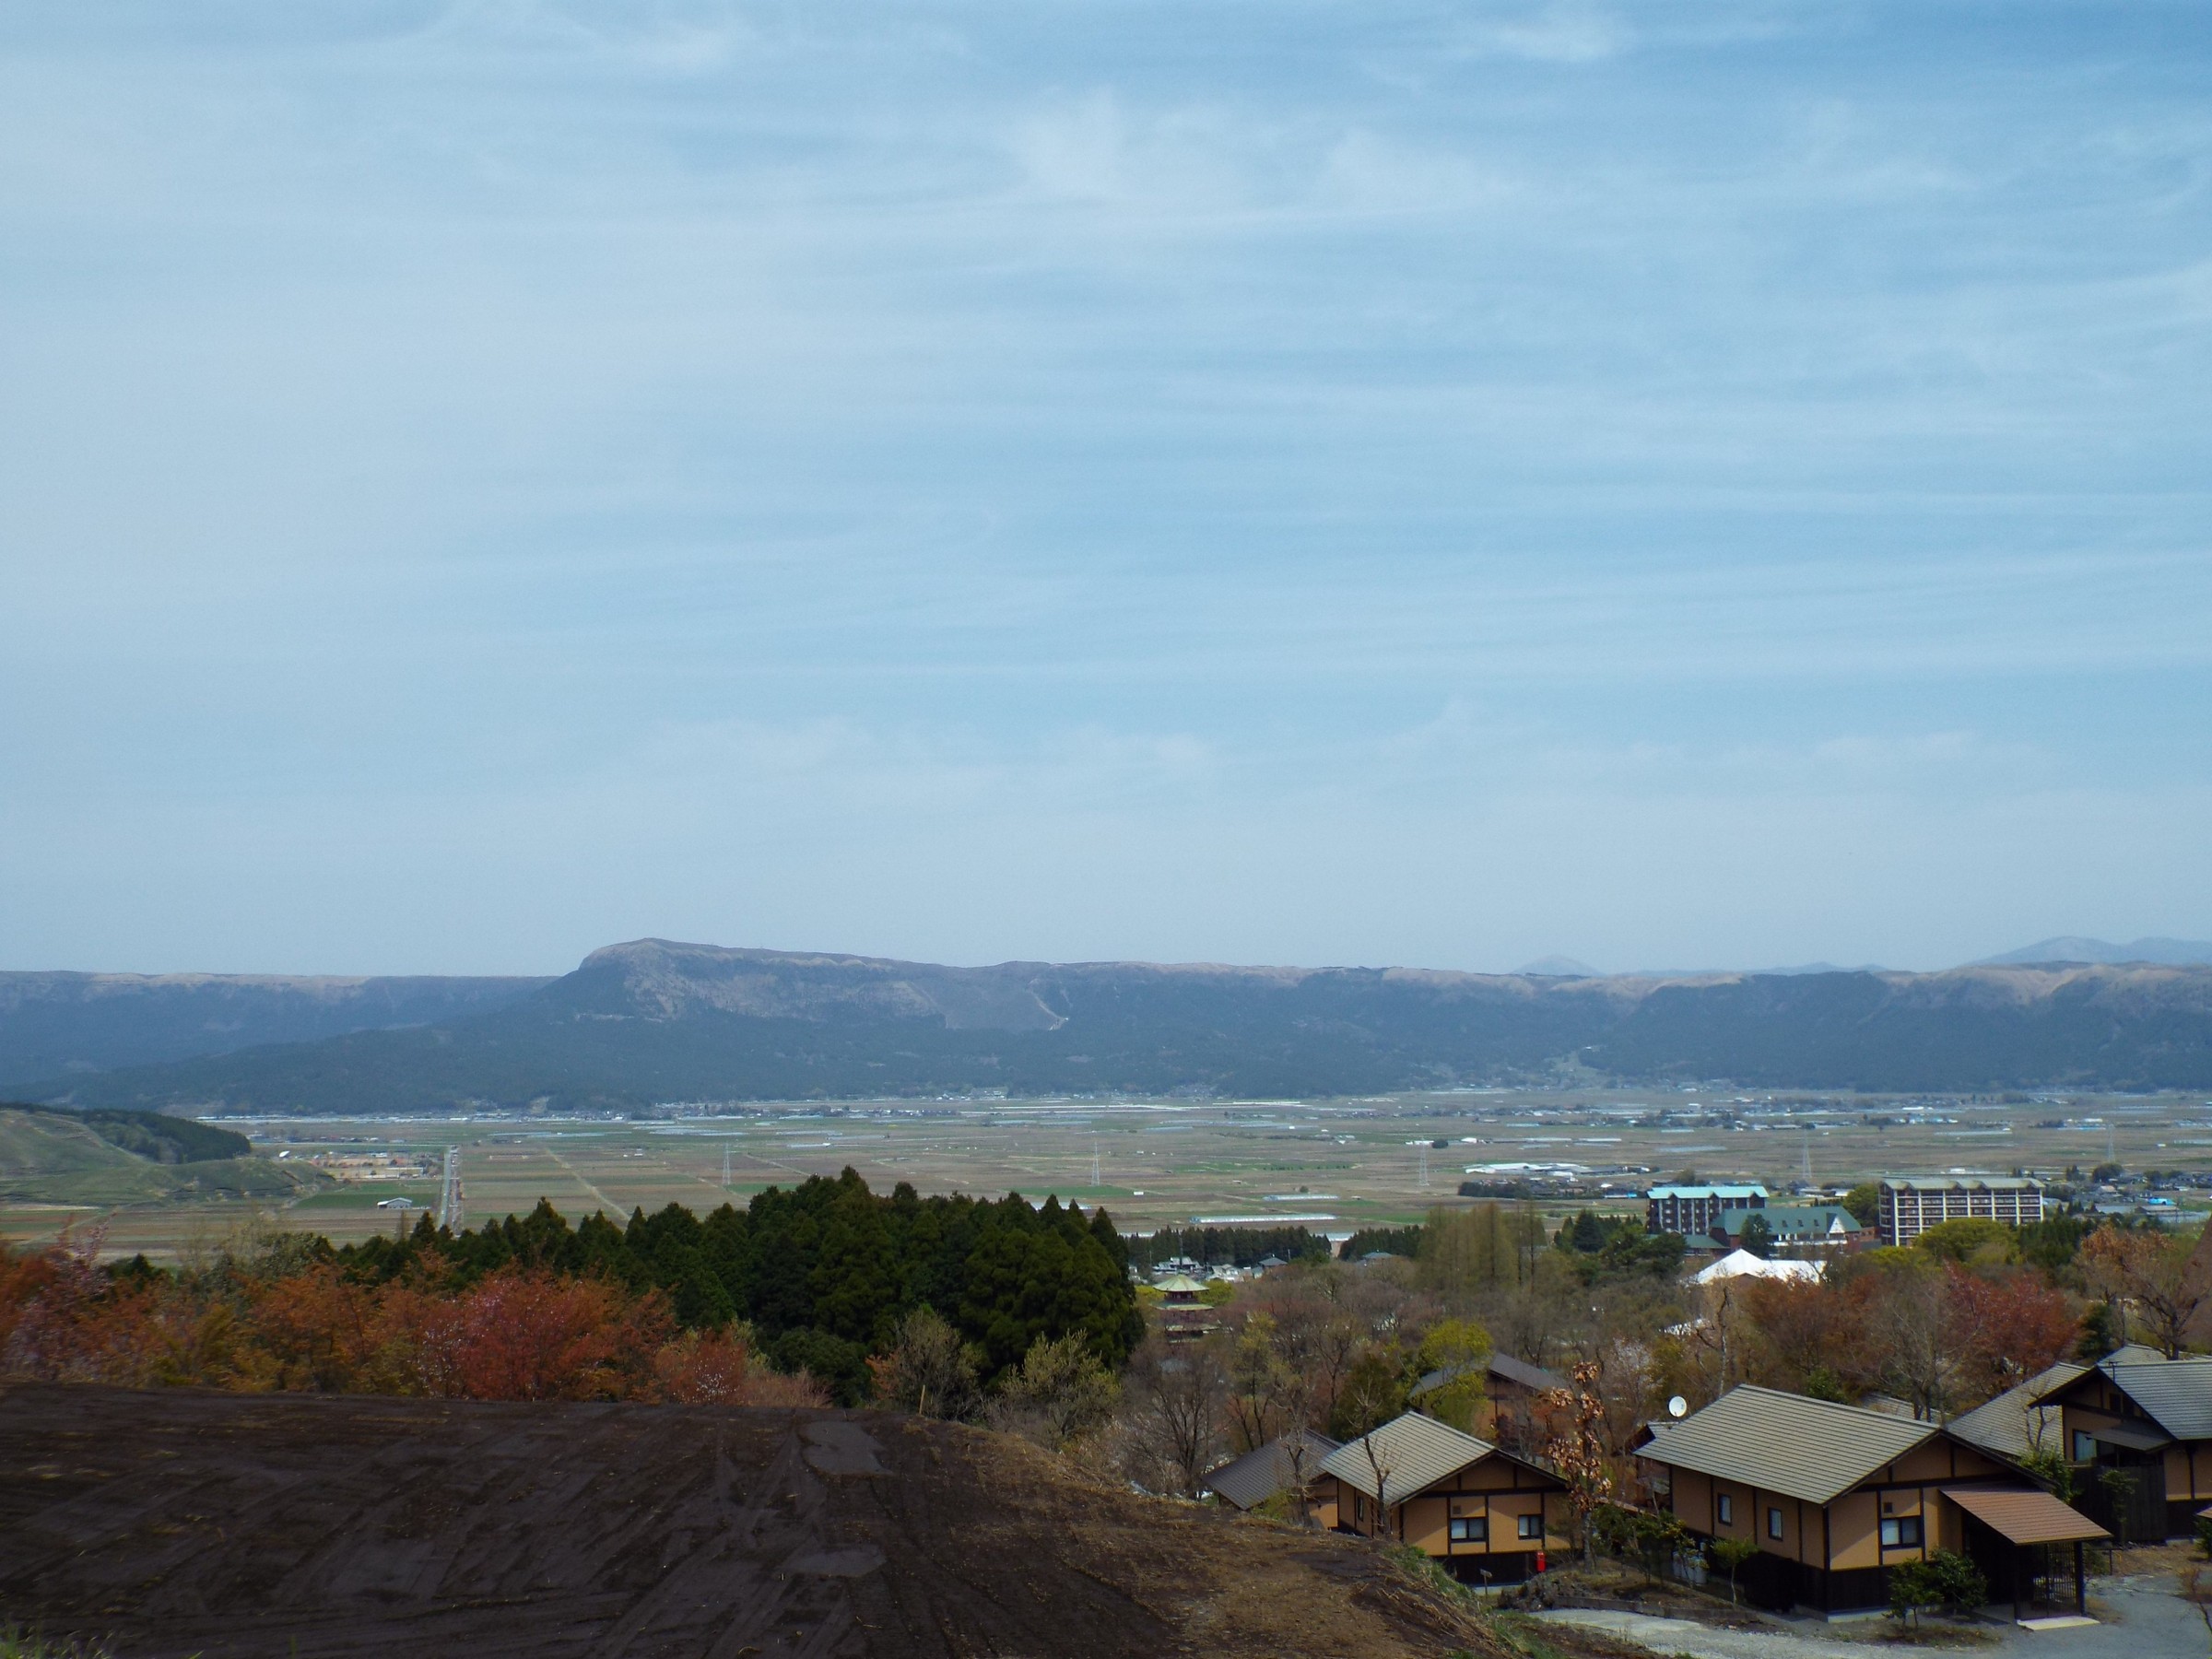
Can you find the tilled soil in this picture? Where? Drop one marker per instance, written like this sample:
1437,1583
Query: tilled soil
178,1522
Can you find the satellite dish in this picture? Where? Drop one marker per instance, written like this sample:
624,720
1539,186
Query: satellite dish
1678,1406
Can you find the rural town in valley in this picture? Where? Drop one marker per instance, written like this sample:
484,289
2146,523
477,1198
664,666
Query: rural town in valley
954,829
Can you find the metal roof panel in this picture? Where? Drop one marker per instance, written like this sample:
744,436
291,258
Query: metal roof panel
1414,1453
2176,1393
1785,1442
1265,1470
2028,1516
2015,1423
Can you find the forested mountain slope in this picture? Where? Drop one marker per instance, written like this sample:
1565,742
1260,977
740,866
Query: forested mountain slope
54,1024
655,1021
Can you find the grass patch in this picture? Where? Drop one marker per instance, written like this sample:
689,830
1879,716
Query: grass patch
18,1644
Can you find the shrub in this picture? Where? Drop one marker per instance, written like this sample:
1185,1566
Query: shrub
1728,1555
1945,1580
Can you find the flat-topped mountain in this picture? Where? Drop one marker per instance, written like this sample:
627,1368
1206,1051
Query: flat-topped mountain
654,1020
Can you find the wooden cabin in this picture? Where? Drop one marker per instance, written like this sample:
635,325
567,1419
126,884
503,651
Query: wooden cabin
1834,1497
1512,1414
1276,1469
2148,1420
1482,1513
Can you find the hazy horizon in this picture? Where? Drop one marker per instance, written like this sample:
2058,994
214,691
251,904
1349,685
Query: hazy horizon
1444,485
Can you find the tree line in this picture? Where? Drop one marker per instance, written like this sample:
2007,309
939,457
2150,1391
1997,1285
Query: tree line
808,1282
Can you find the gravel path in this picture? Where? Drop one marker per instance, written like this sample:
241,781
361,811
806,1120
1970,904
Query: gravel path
2151,1622
1712,1642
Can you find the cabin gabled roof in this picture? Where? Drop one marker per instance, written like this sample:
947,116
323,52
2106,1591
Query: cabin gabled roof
1414,1453
1787,1443
1503,1366
1265,1470
2014,1423
1526,1374
2174,1393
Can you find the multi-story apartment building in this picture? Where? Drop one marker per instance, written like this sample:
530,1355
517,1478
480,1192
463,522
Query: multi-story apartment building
1910,1208
1691,1210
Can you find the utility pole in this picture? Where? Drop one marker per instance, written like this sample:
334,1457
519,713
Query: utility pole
1094,1163
726,1165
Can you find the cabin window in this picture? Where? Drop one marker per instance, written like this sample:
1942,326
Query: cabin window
1531,1526
1470,1529
1901,1532
1773,1523
2085,1446
1726,1509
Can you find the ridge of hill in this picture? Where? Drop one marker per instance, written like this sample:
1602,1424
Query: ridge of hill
653,1021
2169,953
175,1522
55,1024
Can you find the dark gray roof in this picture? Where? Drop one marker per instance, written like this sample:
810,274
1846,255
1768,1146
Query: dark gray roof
2014,1423
1430,1380
2174,1393
1497,1365
1522,1373
1265,1470
1415,1452
1785,1442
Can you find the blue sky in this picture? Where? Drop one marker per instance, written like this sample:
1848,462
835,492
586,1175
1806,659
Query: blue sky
1674,484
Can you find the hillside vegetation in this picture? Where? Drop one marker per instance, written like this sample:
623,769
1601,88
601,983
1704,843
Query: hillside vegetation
117,1158
812,1281
653,1021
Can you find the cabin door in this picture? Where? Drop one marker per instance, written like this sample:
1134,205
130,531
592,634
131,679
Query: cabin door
2128,1494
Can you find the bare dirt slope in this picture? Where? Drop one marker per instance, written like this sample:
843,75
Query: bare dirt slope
178,1522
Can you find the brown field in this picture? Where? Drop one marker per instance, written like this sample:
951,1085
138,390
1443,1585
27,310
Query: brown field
1359,1163
177,1522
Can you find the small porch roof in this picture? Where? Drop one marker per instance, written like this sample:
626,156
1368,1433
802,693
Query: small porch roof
2136,1437
2028,1516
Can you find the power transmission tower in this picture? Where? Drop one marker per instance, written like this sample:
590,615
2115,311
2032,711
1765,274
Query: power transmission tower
448,1199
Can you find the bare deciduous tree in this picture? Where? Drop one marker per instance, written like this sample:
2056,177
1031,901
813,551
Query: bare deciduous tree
1175,1407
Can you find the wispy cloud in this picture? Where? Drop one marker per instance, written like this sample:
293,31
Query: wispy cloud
953,443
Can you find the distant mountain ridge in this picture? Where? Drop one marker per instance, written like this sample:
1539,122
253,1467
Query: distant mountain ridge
654,1020
54,1024
2171,953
